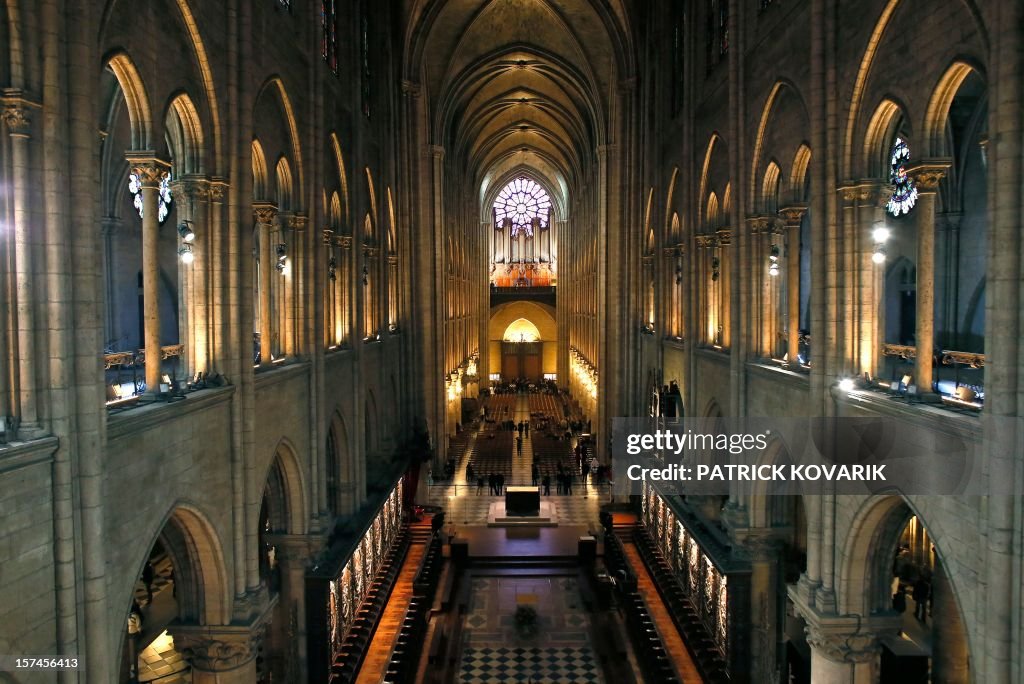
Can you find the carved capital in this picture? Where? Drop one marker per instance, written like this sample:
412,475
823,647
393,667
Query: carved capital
411,89
370,252
843,646
298,222
927,174
150,169
327,236
218,186
706,241
16,118
793,215
393,259
724,236
218,648
265,213
192,188
345,241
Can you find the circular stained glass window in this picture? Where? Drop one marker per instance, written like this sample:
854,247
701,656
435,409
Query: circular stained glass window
522,201
904,192
135,187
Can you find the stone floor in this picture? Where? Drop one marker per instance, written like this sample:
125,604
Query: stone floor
493,650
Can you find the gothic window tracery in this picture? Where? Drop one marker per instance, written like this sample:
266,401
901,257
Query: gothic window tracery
904,194
522,202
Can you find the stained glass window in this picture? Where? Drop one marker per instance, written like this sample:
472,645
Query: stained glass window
135,188
904,192
329,30
522,201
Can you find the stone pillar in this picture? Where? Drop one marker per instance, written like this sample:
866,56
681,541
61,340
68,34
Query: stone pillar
792,217
764,579
265,215
846,650
293,552
950,664
217,300
345,278
393,293
109,229
15,116
295,340
151,173
926,176
220,654
194,319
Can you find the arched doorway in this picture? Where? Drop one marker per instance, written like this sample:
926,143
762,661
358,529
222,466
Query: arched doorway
181,579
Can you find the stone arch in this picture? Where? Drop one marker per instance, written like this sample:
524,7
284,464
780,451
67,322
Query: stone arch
936,116
865,569
139,113
391,239
778,91
201,577
798,174
712,409
888,117
284,187
277,85
285,483
711,213
713,142
372,194
259,171
670,215
339,160
770,187
185,133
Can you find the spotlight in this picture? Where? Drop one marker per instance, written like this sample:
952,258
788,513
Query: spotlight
282,256
186,232
366,275
878,256
185,254
715,263
773,269
332,269
880,234
846,384
773,256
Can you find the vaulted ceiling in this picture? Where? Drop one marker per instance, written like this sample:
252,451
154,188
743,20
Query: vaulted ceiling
518,85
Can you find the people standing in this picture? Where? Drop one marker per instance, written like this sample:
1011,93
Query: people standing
501,483
547,485
922,590
534,473
479,485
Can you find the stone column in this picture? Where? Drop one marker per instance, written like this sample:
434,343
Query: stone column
792,217
845,649
926,176
873,198
194,319
950,664
151,172
393,293
294,552
265,215
345,278
296,282
221,654
726,265
331,288
764,557
217,294
109,229
15,116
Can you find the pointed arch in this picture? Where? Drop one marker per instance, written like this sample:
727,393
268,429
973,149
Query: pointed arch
770,188
139,113
776,93
879,135
669,198
705,170
206,72
391,241
277,85
372,194
185,130
285,465
711,212
798,174
339,159
283,186
937,114
259,171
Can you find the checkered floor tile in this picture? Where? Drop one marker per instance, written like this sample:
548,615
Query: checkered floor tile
537,665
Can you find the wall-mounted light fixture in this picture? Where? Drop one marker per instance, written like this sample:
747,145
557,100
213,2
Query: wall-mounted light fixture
332,269
186,231
282,256
773,261
715,268
880,235
186,254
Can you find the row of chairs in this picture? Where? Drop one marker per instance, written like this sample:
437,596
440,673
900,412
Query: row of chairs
650,649
695,633
549,453
492,453
350,657
409,645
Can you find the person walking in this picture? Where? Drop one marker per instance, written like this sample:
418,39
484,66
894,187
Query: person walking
547,485
519,445
922,589
534,473
479,485
492,482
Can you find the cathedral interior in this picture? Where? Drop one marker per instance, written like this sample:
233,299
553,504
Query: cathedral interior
284,283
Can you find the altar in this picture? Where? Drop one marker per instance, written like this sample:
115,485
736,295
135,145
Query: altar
522,507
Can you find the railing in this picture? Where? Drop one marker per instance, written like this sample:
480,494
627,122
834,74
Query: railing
125,376
966,387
